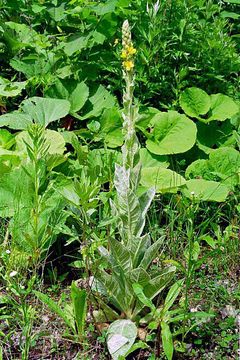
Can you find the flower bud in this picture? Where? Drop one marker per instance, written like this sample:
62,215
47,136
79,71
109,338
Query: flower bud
126,34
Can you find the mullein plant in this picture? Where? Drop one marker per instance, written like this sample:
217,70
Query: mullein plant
130,254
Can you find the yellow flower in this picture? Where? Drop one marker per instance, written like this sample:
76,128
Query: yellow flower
124,54
128,65
131,50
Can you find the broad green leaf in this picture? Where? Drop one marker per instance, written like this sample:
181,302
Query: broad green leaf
223,166
75,43
222,107
230,14
45,110
195,102
54,141
101,100
148,159
213,135
76,93
9,155
121,335
57,13
232,1
167,340
225,163
26,36
79,301
78,97
167,129
161,179
199,169
16,120
205,190
105,8
111,127
69,193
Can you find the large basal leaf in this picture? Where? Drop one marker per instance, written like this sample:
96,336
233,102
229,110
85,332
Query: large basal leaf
195,102
54,141
161,179
205,190
16,120
148,159
222,107
223,165
76,93
199,169
171,133
121,335
45,110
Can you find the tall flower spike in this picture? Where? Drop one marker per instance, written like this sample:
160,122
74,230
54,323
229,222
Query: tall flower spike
126,35
130,148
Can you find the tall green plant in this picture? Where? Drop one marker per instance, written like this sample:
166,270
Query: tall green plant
131,253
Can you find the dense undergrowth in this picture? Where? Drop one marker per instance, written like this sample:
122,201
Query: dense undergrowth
119,179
